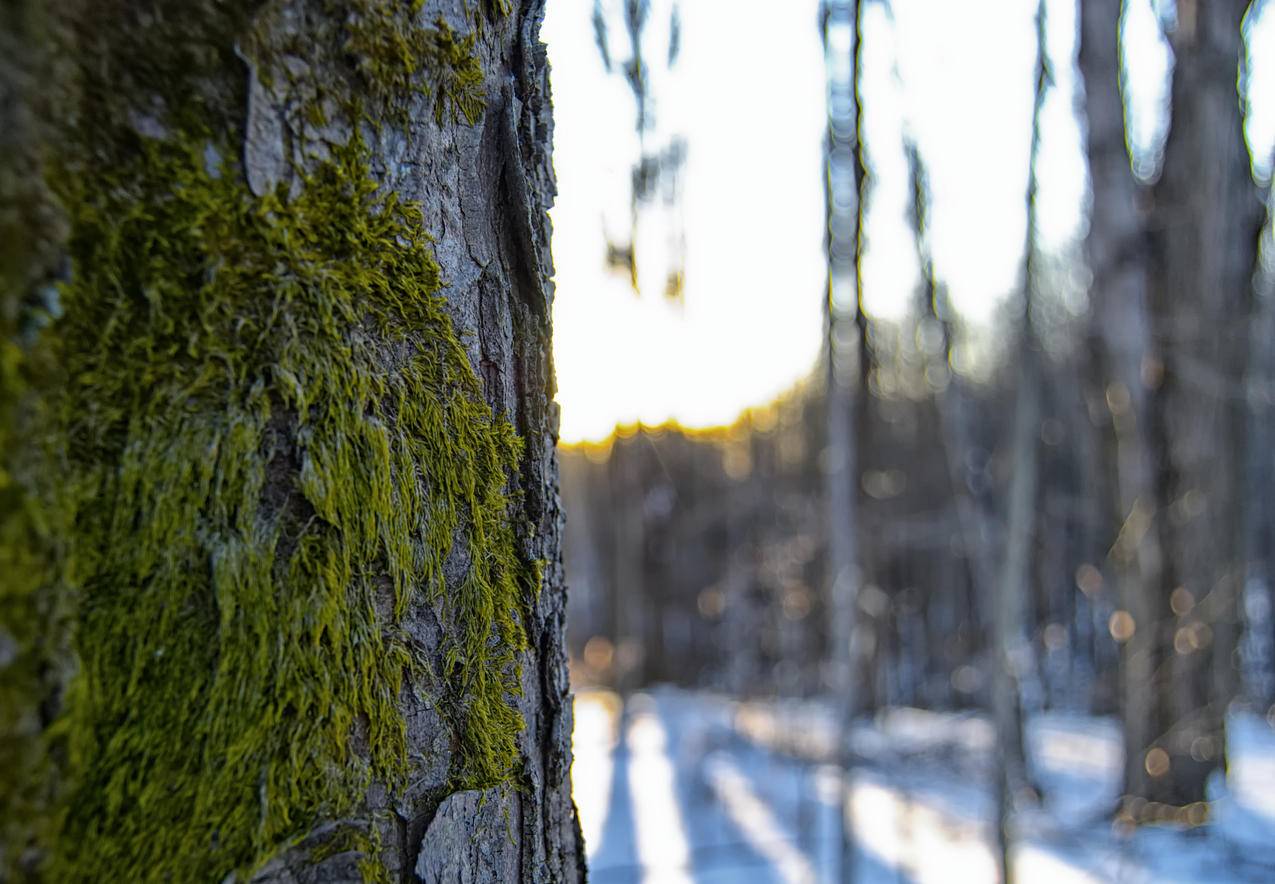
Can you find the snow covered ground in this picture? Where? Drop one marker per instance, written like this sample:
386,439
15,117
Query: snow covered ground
680,787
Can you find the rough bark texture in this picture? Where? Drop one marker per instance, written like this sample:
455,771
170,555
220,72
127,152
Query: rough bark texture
1119,343
1203,238
406,650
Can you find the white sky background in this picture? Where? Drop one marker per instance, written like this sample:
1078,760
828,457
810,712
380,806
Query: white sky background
748,95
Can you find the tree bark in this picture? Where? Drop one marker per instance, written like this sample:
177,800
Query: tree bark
1259,509
1205,221
282,427
845,186
1014,663
1119,341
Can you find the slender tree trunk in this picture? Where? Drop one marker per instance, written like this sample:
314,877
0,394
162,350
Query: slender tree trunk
1119,341
1013,658
844,574
632,601
283,433
844,191
1204,231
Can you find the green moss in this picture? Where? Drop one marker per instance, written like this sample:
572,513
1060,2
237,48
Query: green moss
276,438
240,457
397,57
32,615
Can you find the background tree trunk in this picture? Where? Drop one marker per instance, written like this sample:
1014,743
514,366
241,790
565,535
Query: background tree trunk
283,439
1120,347
844,189
1259,497
1204,231
1013,659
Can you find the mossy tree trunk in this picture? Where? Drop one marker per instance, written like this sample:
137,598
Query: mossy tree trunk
281,595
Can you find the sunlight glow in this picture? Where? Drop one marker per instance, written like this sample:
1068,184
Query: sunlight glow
750,99
757,821
661,835
748,95
593,741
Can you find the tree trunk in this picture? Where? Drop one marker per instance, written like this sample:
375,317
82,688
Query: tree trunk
844,182
1013,658
1259,505
1119,343
282,463
1204,231
1013,663
634,606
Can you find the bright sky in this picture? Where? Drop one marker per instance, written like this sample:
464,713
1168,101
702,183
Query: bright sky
748,94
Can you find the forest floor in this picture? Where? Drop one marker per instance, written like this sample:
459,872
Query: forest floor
683,787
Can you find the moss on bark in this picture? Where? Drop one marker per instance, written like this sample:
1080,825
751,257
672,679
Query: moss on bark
258,441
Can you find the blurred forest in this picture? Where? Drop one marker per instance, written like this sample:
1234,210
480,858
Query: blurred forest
1069,509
